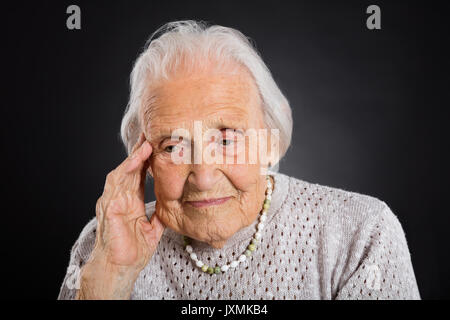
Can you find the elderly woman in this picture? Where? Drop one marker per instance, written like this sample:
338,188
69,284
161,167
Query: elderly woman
225,229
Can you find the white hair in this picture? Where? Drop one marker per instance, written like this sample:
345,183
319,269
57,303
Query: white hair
191,38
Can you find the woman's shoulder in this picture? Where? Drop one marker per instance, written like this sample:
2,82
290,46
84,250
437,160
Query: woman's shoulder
336,207
357,234
85,243
79,254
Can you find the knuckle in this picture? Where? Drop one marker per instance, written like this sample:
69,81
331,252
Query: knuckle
109,215
99,205
115,206
128,194
110,176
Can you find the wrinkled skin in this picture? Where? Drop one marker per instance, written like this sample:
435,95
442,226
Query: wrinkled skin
220,101
125,238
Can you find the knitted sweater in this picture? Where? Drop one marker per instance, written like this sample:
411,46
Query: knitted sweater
318,242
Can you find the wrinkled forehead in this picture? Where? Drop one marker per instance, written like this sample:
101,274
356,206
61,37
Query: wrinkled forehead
217,100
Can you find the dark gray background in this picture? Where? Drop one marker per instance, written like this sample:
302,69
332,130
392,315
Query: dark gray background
369,107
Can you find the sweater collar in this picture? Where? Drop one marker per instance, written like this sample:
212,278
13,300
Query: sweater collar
279,194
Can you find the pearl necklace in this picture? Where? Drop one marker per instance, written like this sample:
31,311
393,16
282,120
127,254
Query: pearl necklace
250,248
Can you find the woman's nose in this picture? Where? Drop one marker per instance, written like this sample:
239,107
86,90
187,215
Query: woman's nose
204,177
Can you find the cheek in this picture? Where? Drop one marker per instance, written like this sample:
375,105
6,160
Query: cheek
244,177
169,179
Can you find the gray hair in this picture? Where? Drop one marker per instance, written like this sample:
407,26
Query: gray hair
164,52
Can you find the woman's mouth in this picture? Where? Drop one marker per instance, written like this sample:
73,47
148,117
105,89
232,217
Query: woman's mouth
208,202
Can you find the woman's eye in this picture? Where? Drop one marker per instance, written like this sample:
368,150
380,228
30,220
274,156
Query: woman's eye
226,142
169,149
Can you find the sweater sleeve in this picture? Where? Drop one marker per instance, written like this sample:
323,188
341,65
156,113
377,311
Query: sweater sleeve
380,266
79,254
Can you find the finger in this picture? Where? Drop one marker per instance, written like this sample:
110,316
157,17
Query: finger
138,143
133,154
131,162
156,222
135,162
130,174
132,178
152,230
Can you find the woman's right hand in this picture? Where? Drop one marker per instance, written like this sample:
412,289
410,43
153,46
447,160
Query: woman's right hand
125,239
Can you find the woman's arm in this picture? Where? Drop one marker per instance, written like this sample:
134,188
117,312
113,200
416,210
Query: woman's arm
125,240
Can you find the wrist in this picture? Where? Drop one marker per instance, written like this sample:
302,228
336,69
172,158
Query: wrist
103,280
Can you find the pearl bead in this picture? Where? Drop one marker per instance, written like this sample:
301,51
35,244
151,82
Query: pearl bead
255,241
242,258
193,256
189,249
234,264
204,268
258,235
199,263
269,197
260,226
269,191
224,268
263,218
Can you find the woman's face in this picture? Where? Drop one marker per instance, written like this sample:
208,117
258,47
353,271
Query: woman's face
230,104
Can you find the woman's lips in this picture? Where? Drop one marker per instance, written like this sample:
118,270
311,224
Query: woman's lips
208,202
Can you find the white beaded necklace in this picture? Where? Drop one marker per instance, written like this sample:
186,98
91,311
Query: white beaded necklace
250,248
